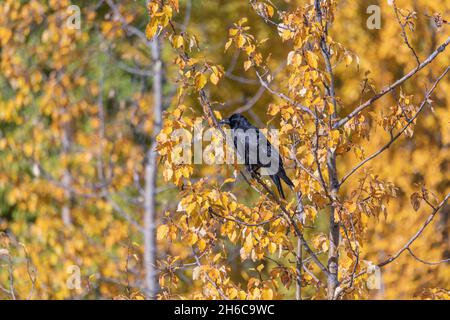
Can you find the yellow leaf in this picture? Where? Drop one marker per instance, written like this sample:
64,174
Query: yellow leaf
309,159
242,21
200,81
247,65
312,59
350,206
192,239
228,44
248,245
167,173
335,134
294,58
196,273
151,30
233,206
229,180
270,10
201,245
348,60
232,293
191,207
233,31
214,79
162,232
174,4
273,109
267,294
178,42
320,242
240,41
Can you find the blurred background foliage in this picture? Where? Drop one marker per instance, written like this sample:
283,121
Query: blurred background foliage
76,123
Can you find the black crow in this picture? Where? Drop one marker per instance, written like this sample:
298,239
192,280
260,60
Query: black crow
255,151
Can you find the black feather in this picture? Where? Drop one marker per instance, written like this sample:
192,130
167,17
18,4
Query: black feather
249,146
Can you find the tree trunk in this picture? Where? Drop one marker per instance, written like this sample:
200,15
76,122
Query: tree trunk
334,233
299,267
150,216
299,264
66,179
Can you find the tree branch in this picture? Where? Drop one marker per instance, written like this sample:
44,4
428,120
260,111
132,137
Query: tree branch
426,262
284,97
417,234
219,291
388,89
394,138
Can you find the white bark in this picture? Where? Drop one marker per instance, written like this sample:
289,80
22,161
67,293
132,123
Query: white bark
150,216
66,180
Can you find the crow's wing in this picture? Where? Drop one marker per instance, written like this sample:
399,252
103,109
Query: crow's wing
269,156
254,149
239,140
246,144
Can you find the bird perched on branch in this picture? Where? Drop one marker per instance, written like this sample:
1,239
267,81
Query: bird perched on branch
255,151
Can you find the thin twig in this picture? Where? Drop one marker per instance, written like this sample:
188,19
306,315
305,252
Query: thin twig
221,293
404,36
247,224
417,234
426,262
391,87
394,138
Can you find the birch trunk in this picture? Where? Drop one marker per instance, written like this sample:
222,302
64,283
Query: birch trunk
150,216
66,179
334,233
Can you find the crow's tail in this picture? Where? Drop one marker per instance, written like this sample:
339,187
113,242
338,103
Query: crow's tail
282,174
276,179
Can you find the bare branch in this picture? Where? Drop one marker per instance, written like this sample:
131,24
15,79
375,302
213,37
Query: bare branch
250,103
284,97
122,212
388,89
426,262
31,271
404,36
258,94
135,71
394,138
417,234
127,27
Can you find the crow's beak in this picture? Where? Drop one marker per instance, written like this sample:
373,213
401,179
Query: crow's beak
224,121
